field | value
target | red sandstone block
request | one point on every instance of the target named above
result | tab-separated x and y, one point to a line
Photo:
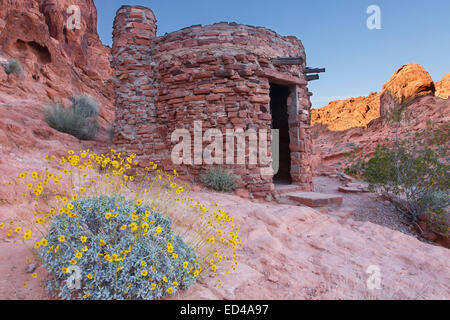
142	41
294	146
213	97
242	89
245	72
202	91
181	77
237	121
170	46
135	13
194	98
189	43
175	101
224	73
260	99
141	26
265	116
206	59
223	90
206	41
202	75
235	66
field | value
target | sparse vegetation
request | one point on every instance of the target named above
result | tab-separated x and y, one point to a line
13	67
219	179
104	234
412	171
79	120
133	257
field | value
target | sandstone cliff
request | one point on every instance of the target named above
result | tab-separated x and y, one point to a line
411	85
345	114
409	82
58	61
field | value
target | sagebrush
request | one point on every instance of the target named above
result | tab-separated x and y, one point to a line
78	120
13	67
219	179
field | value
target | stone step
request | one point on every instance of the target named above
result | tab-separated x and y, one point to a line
286	188
314	199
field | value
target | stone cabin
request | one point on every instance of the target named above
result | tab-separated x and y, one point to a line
226	75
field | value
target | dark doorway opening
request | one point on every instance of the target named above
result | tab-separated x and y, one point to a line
280	120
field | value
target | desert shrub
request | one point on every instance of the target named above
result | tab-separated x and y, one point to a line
13	67
85	106
219	179
111	134
79	120
413	172
122	255
125	231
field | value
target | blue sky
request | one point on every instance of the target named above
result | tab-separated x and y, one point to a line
334	33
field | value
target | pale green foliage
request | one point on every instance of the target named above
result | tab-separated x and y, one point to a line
219	179
79	120
413	171
13	67
108	282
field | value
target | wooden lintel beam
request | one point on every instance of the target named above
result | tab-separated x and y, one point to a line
312	77
313	70
287	61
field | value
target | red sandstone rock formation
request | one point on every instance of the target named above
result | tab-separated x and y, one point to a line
409	82
58	62
330	146
345	114
443	87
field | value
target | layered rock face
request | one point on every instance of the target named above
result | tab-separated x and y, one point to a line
410	86
406	84
58	60
345	114
220	75
409	82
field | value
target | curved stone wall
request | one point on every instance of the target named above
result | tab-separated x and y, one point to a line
218	74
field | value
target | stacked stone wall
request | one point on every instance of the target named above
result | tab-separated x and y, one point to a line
219	74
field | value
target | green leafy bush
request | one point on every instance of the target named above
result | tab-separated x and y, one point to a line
219	179
120	250
13	67
79	120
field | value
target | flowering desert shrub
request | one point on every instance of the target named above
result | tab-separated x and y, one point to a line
105	229
138	263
